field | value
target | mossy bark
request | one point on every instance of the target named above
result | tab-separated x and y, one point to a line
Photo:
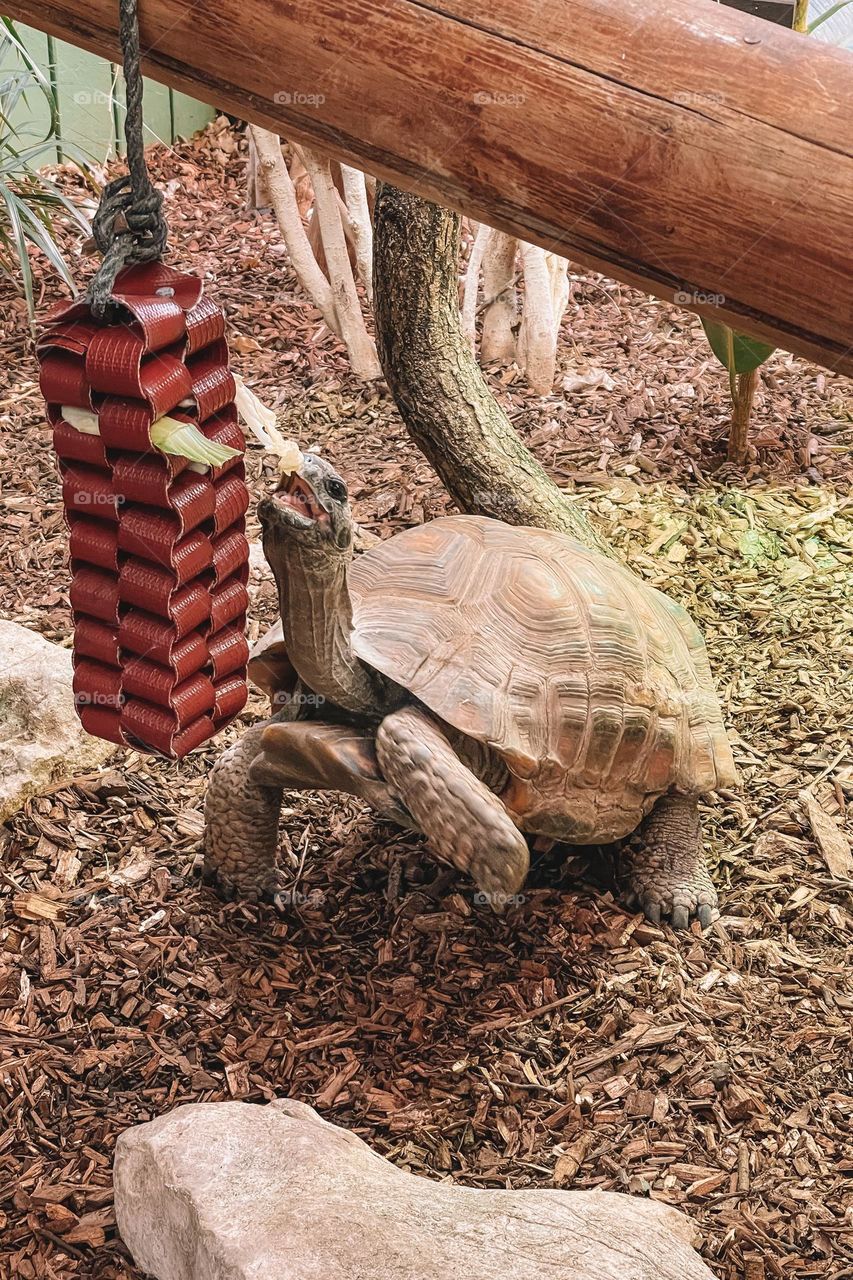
442	396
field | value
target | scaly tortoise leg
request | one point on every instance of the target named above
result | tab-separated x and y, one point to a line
327	757
244	792
662	865
465	822
240	823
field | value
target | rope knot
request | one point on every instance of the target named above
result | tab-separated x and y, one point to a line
128	225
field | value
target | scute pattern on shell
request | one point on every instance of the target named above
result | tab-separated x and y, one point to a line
590	683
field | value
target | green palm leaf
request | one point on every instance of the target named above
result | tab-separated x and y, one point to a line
29	201
830	13
736	352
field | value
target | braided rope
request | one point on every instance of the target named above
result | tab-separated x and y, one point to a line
128	225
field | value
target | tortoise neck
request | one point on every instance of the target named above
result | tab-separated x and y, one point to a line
316	612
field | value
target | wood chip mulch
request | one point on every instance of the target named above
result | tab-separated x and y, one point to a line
569	1043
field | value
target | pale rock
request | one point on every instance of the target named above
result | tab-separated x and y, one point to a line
236	1191
41	738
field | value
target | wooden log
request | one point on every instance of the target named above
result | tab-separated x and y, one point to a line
696	152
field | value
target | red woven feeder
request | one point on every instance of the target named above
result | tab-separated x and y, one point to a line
159	558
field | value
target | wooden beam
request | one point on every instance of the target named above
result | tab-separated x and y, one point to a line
696	152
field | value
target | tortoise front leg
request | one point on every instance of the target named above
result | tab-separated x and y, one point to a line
465	822
662	865
241	823
327	757
244	794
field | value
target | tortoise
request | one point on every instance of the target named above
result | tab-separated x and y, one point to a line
474	680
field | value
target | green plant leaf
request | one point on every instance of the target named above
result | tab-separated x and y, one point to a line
37	230
29	201
81	420
14	209
186	441
32	71
830	13
736	352
169	435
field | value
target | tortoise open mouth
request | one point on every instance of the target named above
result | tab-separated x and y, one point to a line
298	498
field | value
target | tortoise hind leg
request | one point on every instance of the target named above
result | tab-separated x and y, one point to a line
243	799
465	822
662	865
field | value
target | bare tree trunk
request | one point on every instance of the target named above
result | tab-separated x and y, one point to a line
355	193
472	285
254	184
359	344
537	338
441	394
743	394
304	191
348	226
499	309
283	197
305	199
558	273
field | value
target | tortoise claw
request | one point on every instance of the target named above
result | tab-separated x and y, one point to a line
282	897
230	890
680	917
224	888
651	910
663	865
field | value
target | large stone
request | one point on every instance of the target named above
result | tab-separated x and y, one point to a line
41	738
234	1191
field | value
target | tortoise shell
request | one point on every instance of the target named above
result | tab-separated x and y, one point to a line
593	687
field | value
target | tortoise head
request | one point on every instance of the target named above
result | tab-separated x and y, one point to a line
309	509
308	533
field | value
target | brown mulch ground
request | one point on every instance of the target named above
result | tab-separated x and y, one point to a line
567	1044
